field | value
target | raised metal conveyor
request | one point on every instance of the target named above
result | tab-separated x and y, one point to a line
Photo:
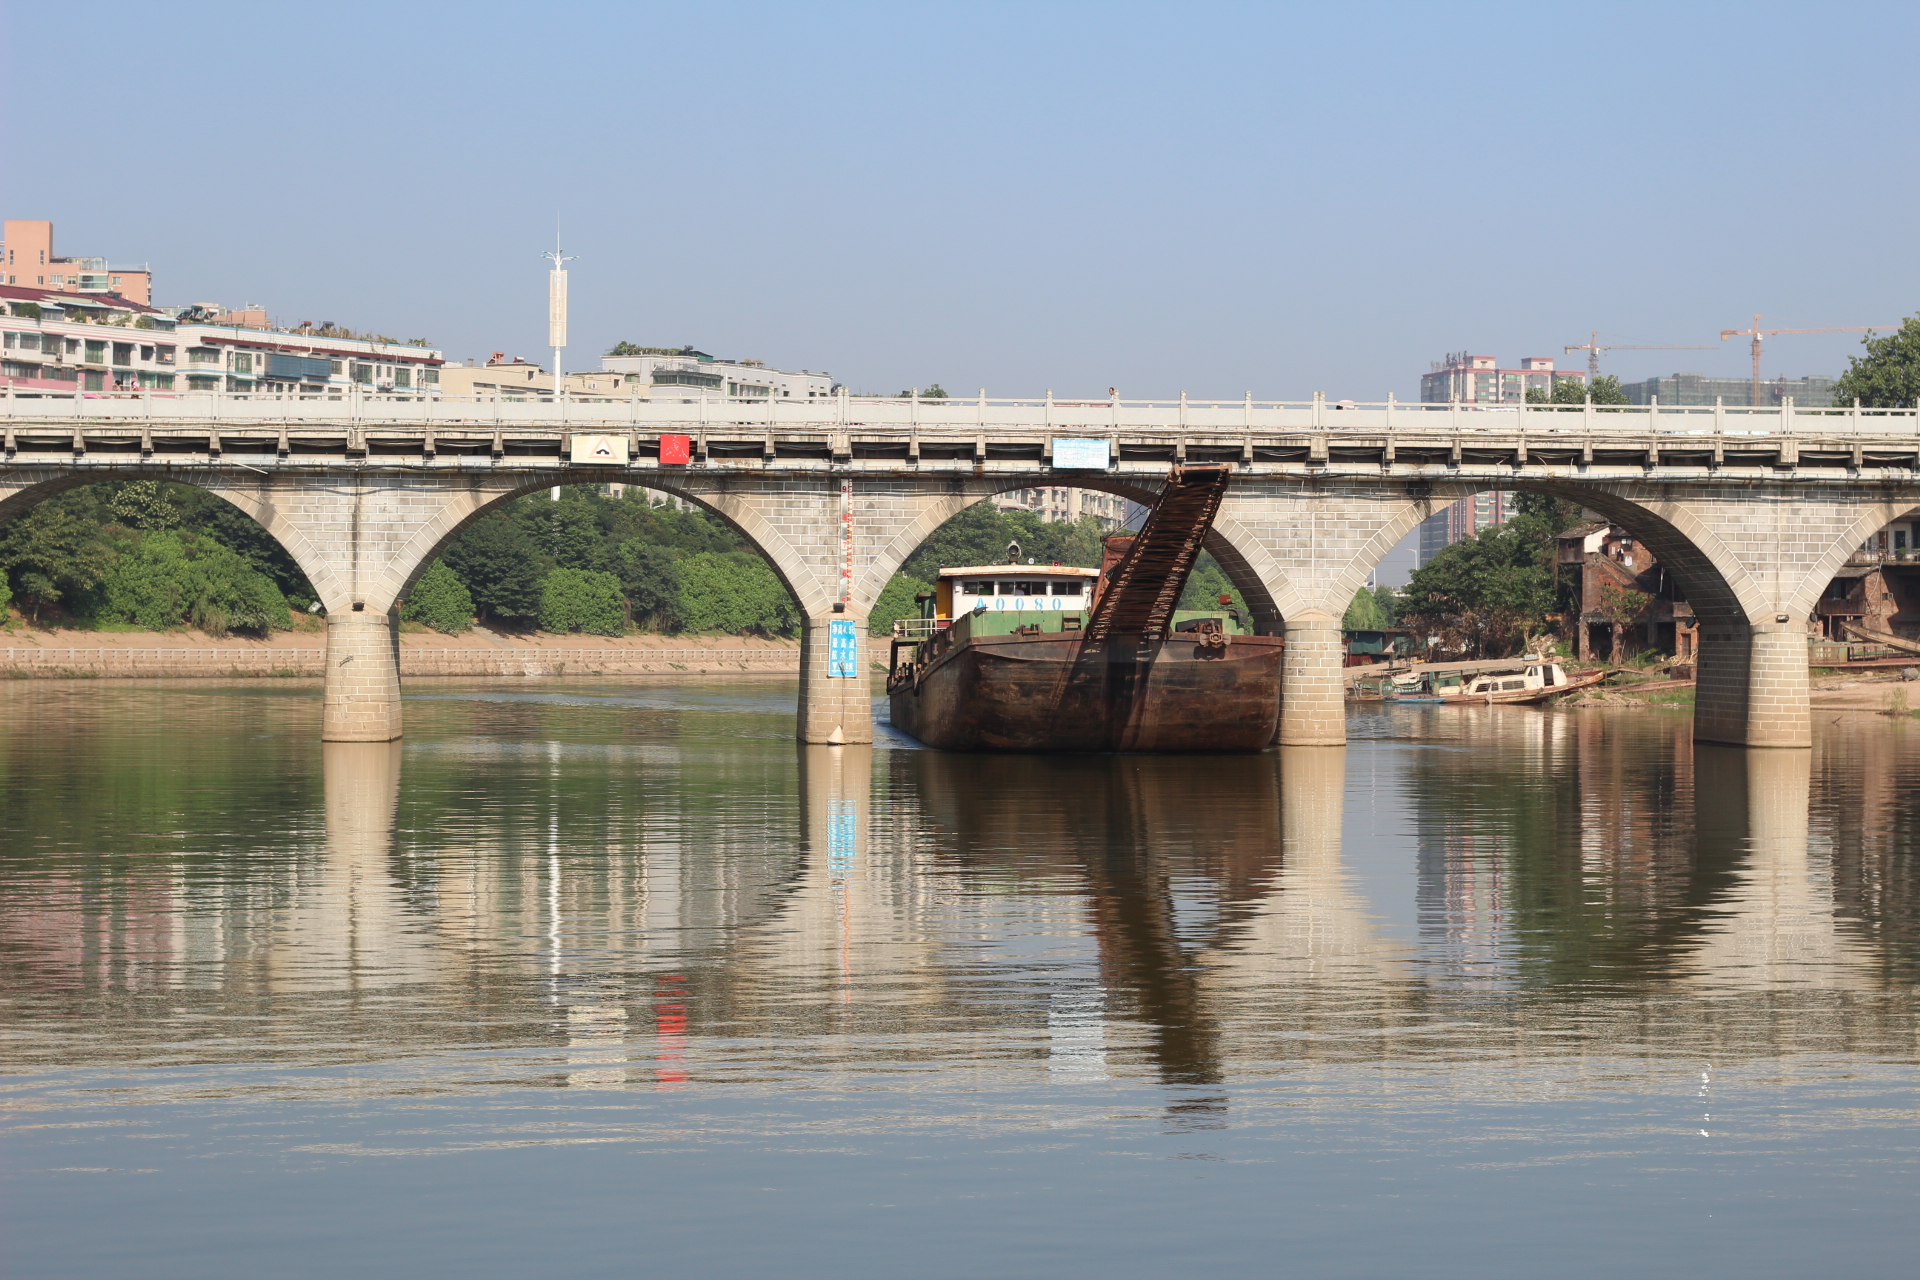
1143	589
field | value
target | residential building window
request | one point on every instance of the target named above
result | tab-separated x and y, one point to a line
146	352
402	378
243	362
114	280
203	355
123	353
96	381
202	383
336	367
363	373
163	355
96	353
429	377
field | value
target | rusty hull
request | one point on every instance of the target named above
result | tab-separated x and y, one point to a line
1050	692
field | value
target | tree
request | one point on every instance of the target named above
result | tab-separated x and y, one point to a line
1483	593
1605	389
161	578
736	593
896	602
50	553
500	565
650	579
1888	376
1207	583
440	600
933	392
581	600
141	504
1364	614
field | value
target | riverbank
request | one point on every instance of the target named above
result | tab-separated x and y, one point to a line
56	653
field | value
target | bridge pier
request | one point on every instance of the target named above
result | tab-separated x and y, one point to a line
835	707
362	692
1753	688
1313	703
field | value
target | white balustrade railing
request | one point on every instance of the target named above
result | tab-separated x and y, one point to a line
896	416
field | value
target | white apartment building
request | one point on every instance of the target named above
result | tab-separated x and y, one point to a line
1066	505
63	342
682	372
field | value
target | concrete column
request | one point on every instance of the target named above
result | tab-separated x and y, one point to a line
1752	689
363	678
1313	702
834	709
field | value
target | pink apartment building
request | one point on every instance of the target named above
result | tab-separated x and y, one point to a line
27	259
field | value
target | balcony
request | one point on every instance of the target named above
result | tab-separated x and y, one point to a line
1874	559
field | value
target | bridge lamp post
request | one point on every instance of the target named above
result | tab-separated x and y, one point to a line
557	325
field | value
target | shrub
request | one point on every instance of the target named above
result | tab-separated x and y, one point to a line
582	600
162	579
441	601
896	601
735	592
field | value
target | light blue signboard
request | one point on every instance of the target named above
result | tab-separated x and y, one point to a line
1080	455
843	649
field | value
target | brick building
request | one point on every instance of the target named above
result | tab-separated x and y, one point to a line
1627	604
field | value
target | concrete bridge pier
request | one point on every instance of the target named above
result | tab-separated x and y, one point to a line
1753	687
1313	704
362	691
836	703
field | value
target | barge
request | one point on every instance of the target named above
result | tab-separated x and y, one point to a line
1018	657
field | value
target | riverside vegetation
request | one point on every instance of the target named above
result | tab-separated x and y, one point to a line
153	556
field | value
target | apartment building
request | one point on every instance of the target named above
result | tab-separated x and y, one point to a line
683	372
517	379
1472	379
1699	389
1066	505
1463	519
27	259
56	341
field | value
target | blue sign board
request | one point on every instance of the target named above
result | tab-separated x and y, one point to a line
1080	455
843	649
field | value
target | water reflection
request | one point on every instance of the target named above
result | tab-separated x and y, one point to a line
646	894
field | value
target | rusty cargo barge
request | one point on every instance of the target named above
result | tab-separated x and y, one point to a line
1014	657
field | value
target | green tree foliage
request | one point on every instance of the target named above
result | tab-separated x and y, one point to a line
1484	595
582	600
501	566
141	504
735	592
650	578
1364	613
440	600
896	601
162	578
1888	376
52	552
1606	389
933	392
1207	583
980	534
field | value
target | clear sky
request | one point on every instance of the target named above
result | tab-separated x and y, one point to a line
1210	197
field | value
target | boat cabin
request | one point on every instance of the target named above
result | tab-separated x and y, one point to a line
1012	588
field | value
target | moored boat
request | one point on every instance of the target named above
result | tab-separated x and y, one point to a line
1523	680
1020	657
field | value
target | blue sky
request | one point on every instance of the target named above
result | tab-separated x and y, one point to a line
1210	197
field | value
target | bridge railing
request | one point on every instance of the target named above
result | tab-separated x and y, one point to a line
891	415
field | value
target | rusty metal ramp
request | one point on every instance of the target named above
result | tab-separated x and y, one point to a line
1143	589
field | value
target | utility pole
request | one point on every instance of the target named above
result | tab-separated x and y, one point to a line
557	321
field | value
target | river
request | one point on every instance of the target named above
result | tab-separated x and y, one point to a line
603	978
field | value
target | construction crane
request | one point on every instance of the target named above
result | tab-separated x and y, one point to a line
1593	347
1757	333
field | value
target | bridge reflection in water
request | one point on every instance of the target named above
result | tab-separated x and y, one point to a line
1073	918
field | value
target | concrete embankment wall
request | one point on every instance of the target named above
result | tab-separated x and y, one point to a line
224	661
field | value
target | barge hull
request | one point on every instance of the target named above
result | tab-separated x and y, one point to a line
1047	693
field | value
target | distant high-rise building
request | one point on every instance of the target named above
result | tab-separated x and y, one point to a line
1066	505
26	260
1472	379
1463	519
1698	389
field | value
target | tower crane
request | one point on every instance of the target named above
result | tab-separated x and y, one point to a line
1757	333
1593	347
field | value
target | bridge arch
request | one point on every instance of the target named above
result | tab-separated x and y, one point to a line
1247	564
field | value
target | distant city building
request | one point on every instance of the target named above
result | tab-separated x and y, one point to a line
1463	519
1066	505
1698	389
1473	379
682	372
516	379
27	259
53	340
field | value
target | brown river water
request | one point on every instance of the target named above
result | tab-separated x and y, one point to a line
610	978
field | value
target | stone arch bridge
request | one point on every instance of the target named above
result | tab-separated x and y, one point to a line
1751	510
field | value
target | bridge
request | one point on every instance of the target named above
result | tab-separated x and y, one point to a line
1752	510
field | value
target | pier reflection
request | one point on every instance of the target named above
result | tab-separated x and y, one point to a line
625	903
